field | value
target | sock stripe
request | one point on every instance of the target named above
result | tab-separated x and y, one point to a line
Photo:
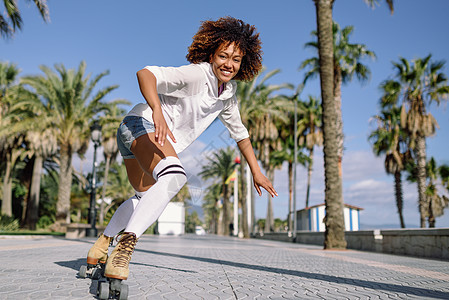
168	167
171	172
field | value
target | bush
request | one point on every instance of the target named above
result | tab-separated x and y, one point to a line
44	222
8	223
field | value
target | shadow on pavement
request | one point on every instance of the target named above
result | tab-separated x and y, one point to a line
316	276
77	263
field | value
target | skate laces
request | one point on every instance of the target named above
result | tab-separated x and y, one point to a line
126	245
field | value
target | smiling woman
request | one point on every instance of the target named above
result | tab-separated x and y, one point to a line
181	102
226	63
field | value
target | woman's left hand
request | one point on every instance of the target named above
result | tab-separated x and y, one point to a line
261	181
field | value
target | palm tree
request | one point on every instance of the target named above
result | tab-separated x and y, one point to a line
66	97
13	19
436	202
39	141
260	112
347	63
390	140
310	133
415	87
219	167
10	143
286	154
109	124
119	188
334	234
210	206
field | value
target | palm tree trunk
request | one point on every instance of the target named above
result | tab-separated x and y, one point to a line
309	176
225	209
420	151
339	124
269	221
7	188
103	194
220	228
243	197
32	213
432	220
399	198
65	184
334	221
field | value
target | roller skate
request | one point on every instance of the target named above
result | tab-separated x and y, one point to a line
96	259
117	269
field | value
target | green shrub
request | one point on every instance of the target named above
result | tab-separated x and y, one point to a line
8	223
44	222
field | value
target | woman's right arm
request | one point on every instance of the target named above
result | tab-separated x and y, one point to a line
148	88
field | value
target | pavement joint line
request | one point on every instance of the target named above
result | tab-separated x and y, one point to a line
391	267
36	246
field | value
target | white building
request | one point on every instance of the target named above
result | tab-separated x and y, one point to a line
311	218
172	219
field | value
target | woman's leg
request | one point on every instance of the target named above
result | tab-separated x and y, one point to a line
121	216
162	164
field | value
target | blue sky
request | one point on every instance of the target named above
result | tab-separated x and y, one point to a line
122	38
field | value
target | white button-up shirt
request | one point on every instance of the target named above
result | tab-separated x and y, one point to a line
190	103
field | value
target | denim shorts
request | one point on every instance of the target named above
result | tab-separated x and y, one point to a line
130	129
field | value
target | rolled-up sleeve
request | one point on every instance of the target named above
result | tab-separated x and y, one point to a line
230	117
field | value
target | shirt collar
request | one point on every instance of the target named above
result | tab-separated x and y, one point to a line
230	88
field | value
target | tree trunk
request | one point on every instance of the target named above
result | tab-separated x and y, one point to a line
32	213
242	194
309	176
220	228
339	122
420	151
7	187
65	184
103	194
334	221
398	193
225	209
269	221
432	219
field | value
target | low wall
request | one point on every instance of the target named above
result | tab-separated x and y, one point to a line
432	243
429	243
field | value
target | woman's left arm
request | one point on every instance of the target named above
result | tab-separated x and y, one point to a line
259	179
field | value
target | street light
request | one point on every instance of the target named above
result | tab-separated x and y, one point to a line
95	132
295	158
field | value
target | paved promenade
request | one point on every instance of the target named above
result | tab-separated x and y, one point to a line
211	267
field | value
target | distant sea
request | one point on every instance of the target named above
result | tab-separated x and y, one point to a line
385	226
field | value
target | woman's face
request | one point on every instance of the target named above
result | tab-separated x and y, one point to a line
226	62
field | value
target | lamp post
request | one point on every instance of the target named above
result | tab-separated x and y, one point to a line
295	158
95	131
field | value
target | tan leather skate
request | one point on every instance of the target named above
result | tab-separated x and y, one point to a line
99	251
117	265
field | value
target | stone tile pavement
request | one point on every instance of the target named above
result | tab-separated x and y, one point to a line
211	267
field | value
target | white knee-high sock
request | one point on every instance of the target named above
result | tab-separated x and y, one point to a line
122	214
171	177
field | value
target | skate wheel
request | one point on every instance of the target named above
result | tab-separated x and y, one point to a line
124	289
83	272
96	274
103	290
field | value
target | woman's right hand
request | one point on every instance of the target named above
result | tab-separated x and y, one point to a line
161	128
